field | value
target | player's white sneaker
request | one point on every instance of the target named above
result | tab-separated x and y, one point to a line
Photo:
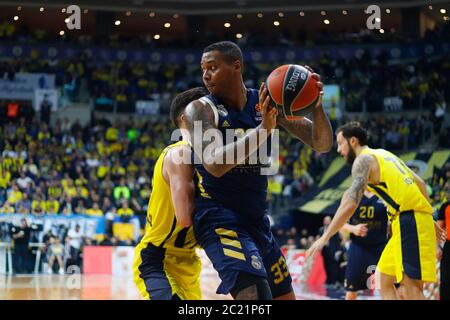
61	271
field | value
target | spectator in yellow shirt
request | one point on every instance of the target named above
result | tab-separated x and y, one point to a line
95	210
37	209
82	192
44	134
117	170
125	212
145	192
103	169
112	134
55	189
132	168
51	206
7	208
81	181
5	178
65	181
38	202
102	148
14	195
70	189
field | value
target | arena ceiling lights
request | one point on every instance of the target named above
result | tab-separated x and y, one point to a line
200	7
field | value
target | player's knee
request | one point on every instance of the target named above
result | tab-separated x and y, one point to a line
383	281
410	288
401	292
251	287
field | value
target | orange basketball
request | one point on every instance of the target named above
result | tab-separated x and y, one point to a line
293	89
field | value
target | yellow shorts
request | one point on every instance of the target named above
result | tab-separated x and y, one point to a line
180	267
411	249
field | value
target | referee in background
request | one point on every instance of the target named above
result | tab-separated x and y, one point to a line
444	253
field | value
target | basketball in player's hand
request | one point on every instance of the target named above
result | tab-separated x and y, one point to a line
294	90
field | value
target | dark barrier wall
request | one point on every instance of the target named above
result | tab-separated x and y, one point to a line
103	23
411	22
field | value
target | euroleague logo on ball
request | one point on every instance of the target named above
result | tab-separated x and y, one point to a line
292	83
293	89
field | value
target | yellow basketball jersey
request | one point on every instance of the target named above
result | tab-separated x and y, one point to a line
162	229
397	187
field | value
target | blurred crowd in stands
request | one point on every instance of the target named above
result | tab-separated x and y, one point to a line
365	81
102	169
97	169
253	37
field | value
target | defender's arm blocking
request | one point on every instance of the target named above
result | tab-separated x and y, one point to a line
179	176
215	161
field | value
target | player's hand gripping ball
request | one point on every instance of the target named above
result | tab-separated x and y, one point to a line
295	90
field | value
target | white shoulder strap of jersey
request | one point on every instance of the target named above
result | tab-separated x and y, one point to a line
211	103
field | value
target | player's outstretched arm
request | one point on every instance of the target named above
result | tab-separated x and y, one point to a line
349	202
215	156
318	133
179	175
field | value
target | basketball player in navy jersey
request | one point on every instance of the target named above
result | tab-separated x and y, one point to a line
368	234
230	220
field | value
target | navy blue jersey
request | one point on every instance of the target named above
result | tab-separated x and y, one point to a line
243	189
373	212
237	244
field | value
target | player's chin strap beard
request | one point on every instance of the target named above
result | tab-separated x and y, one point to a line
351	154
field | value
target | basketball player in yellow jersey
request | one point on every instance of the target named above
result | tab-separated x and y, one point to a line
409	257
166	265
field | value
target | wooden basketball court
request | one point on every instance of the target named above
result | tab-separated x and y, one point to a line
108	287
81	287
113	287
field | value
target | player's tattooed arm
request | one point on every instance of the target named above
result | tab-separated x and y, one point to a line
360	177
352	196
217	158
317	133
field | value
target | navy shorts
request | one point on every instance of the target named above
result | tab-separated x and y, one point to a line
236	244
362	262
